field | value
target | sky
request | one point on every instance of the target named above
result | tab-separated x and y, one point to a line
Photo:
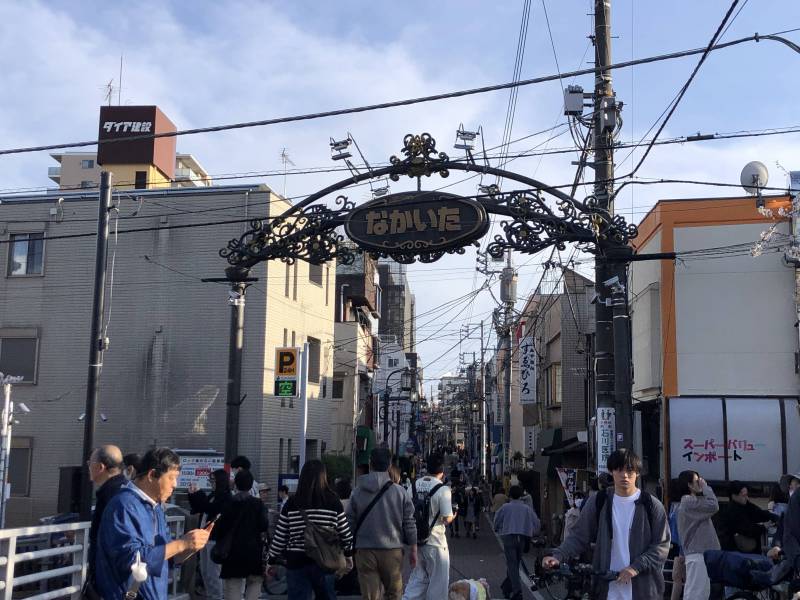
209	63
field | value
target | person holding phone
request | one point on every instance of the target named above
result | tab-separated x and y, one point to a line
211	506
696	532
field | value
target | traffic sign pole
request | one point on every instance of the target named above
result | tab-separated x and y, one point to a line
303	403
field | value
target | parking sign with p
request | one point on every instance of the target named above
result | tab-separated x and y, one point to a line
286	371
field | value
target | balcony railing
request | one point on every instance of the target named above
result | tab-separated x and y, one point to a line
49	561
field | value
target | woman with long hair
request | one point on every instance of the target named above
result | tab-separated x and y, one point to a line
209	506
698	505
316	501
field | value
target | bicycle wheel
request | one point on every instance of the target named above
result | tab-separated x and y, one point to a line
276	584
557	587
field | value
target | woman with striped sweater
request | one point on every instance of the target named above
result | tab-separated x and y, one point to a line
321	505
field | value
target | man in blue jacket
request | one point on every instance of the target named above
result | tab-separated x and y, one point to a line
134	522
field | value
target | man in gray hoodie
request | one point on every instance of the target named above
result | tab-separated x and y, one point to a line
381	515
630	530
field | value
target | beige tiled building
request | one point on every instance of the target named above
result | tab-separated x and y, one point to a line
165	374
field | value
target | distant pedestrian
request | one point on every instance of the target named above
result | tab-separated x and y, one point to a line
132	463
431	577
210	506
472	512
499	498
242	463
283	496
316	503
516	523
741	521
572	515
459	501
243	522
406	482
134	525
105	471
381	515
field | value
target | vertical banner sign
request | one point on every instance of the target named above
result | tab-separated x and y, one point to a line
569	481
527	371
606	428
286	367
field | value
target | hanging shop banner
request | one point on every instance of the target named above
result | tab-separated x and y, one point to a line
724	438
569	481
606	433
527	371
413	222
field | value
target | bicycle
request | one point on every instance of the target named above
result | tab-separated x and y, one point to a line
568	582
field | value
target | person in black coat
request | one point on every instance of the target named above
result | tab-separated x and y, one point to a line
239	532
105	471
209	506
743	518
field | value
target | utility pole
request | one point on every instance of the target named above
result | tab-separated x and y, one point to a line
610	375
482	436
508	296
97	343
239	280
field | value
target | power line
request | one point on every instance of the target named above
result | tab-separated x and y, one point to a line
405	102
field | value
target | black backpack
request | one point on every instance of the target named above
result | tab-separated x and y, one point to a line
422	513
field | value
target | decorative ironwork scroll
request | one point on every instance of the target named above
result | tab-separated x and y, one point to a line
311	232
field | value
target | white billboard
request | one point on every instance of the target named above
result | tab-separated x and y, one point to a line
734	438
527	370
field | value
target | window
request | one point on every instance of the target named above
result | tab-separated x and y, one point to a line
324	393
315	274
19	467
26	254
338	389
87	164
294	339
88	183
289	455
285	336
313	359
140	180
288	279
18	353
294	292
553	384
393	362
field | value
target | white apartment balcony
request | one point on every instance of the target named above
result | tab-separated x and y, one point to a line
54	173
185	177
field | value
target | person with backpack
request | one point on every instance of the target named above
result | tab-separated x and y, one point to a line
433	511
314	537
630	531
698	505
239	543
516	523
381	515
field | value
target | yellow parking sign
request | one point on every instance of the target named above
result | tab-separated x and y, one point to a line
286	362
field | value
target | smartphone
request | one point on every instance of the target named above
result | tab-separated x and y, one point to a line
210	524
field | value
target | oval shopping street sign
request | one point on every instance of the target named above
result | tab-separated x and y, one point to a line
416	222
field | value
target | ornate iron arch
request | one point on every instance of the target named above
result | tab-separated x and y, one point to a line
309	231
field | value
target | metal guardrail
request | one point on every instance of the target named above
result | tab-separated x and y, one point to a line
50	561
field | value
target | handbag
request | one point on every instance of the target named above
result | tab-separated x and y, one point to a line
323	546
745	544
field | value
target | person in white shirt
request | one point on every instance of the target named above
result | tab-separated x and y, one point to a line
630	530
431	576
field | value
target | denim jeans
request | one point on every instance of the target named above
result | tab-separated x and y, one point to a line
513	546
307	579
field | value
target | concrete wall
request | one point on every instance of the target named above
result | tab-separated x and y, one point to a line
164	376
735	316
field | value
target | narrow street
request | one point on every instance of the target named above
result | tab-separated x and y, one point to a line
478	558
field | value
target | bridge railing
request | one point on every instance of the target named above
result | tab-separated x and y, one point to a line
50	561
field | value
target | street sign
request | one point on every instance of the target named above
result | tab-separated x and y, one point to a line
286	362
286	388
286	369
606	430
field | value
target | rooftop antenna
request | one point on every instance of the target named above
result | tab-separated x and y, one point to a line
109	87
754	177
286	161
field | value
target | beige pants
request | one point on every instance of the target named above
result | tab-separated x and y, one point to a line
380	570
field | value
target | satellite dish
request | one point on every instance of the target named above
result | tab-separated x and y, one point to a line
754	177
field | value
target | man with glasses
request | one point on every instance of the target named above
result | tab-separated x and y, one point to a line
105	471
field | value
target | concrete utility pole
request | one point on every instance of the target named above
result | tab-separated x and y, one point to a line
482	437
612	377
97	342
508	296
